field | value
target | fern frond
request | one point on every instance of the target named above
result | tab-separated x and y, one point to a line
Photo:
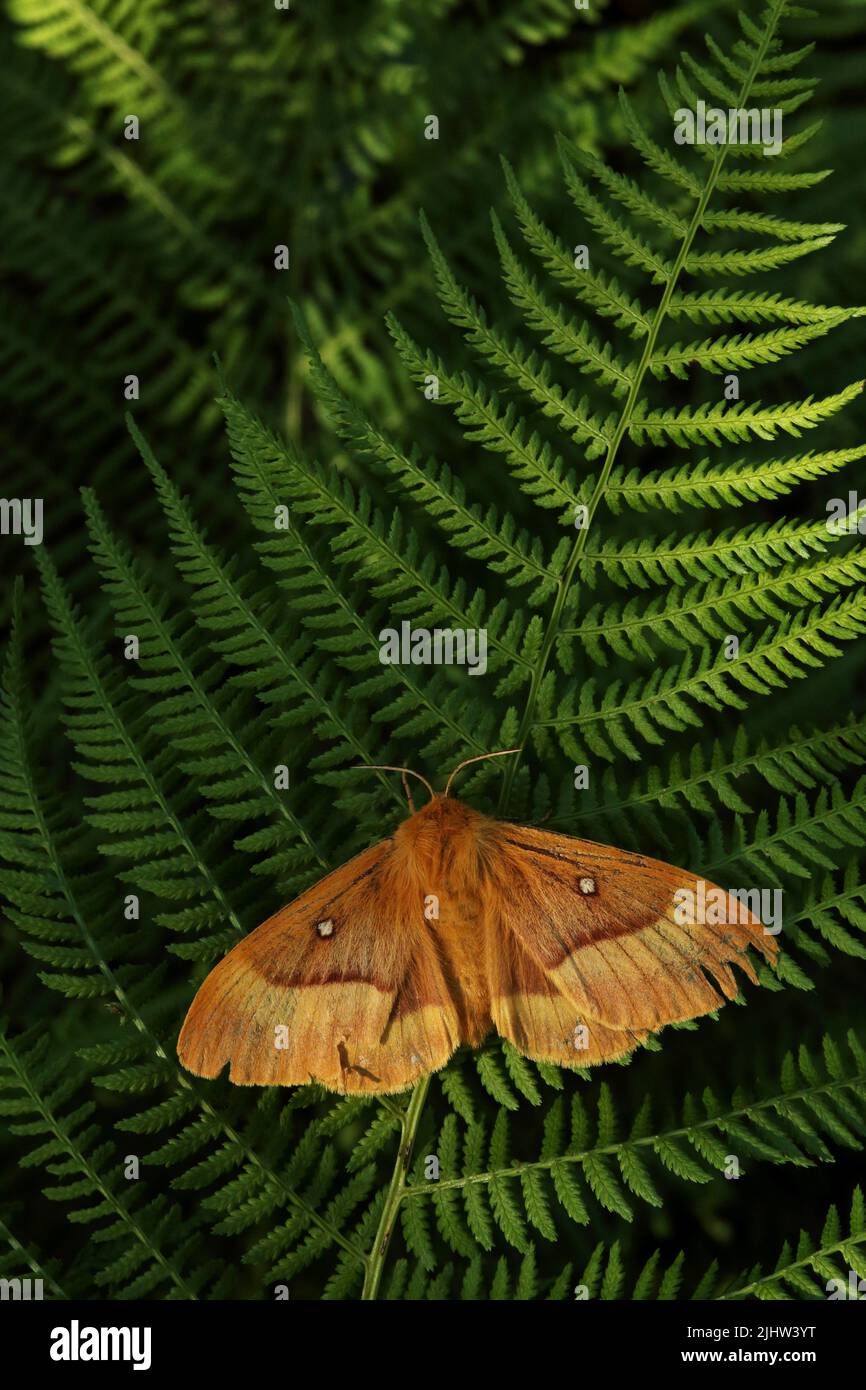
362	539
816	1268
703	779
483	535
148	1247
671	698
73	930
185	706
142	819
800	837
714	611
678	561
743	306
812	1103
712	424
521	367
708	484
597	290
240	625
739	351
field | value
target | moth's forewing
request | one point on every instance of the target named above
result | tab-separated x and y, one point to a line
592	937
341	987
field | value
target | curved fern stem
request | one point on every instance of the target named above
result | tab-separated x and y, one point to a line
565	583
396	1189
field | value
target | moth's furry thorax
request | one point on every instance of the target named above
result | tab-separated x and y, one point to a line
445	834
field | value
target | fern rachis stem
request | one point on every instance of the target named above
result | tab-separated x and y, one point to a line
396	1190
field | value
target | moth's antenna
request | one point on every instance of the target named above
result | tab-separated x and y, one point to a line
503	753
386	767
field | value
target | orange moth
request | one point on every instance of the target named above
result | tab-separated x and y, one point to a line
455	925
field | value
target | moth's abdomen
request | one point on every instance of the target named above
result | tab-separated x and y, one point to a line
461	943
442	849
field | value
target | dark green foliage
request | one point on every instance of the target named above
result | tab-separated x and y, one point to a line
301	127
257	545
